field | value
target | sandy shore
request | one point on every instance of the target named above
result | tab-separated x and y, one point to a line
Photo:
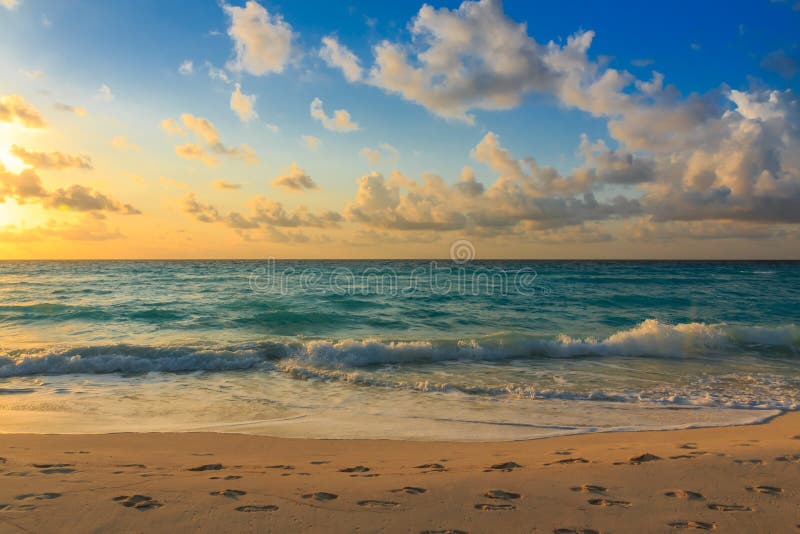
735	479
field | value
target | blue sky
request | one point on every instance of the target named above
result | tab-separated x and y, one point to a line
136	48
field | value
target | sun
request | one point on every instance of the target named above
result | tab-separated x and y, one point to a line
9	161
11	213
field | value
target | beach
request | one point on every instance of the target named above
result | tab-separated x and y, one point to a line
739	478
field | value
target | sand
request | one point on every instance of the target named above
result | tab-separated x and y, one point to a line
734	479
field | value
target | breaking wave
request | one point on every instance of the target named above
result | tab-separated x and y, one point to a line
650	338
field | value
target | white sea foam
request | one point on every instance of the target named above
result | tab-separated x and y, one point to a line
650	338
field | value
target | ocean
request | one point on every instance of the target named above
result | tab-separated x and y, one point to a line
423	350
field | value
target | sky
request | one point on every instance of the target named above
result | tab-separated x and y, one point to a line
395	129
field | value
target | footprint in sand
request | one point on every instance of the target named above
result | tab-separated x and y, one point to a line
411	490
588	488
229	477
699	525
569	461
769	490
356	469
138	466
319	462
257	508
57	471
142	503
378	504
751	461
494	507
445	531
38	496
609	502
564	452
646	457
54	469
229	493
321	496
77	452
207	467
281	466
576	531
729	507
505	467
685	494
688	446
792	458
202	454
500	494
682	457
431	468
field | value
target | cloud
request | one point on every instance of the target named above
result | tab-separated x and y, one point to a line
51	160
311	142
642	62
80	112
262	41
122	143
192	151
263	214
217	74
222	185
9	4
27	187
104	93
172	127
295	179
339	122
186	67
80	198
370	154
472	57
376	155
14	109
339	56
781	63
204	130
32	74
242	104
200	211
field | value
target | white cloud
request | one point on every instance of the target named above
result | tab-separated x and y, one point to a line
15	109
371	155
472	57
222	185
186	68
339	56
242	104
205	130
311	142
376	155
263	41
80	112
104	93
9	4
172	127
295	179
339	122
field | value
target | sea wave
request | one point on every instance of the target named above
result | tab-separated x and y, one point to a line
650	338
763	392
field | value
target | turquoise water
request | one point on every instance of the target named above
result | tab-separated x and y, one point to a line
403	349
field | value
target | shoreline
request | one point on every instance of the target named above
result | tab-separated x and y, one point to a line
733	478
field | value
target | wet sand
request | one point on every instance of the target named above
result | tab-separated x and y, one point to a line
733	479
